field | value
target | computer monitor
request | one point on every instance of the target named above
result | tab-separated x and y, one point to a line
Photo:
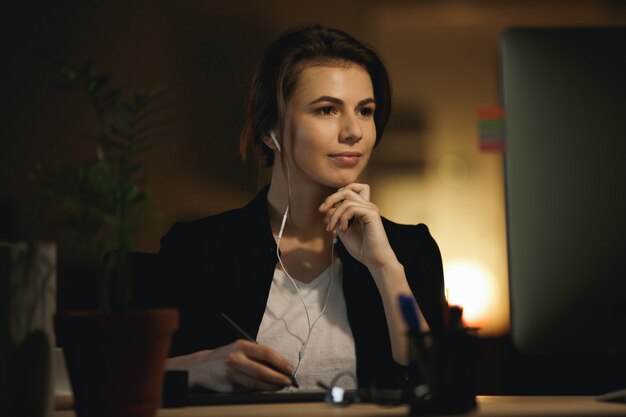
564	94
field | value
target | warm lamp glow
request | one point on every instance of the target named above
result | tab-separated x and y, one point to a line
472	287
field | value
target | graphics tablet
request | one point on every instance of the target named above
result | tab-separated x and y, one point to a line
205	397
363	395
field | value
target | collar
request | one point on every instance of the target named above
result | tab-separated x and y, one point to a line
256	220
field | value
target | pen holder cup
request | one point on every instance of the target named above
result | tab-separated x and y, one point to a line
443	372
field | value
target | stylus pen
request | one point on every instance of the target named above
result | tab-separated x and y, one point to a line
242	333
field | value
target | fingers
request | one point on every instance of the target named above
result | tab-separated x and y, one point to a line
351	191
251	365
363	190
342	216
266	355
351	201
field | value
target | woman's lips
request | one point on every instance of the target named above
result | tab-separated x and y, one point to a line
346	158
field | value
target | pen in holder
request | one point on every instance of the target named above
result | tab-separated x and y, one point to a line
443	369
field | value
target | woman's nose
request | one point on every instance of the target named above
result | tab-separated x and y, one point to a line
351	130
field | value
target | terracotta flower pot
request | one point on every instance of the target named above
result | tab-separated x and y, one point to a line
116	361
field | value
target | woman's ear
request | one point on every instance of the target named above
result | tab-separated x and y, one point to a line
271	141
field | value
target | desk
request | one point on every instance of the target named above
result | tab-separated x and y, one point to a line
488	406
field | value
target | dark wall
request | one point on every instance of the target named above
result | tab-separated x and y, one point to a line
204	51
205	55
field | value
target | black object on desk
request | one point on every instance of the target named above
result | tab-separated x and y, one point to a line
444	369
201	396
175	386
613	396
206	397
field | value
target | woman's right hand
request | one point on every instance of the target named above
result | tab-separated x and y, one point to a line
241	365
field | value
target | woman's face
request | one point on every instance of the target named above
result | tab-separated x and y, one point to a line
329	125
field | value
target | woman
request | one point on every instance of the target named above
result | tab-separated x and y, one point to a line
309	268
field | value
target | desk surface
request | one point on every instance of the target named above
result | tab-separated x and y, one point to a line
488	406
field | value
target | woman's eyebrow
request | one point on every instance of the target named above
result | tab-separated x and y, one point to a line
330	99
338	101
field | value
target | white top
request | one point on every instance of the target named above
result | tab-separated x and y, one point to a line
284	328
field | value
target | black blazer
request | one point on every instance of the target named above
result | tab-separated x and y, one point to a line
226	263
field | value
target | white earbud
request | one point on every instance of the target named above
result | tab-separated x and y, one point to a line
273	136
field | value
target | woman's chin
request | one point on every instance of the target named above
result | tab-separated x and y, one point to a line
340	182
332	181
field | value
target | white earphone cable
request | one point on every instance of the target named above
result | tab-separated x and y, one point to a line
306	310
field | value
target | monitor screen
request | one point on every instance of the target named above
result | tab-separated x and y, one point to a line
564	93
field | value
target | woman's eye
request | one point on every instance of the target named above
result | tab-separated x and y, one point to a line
366	111
326	111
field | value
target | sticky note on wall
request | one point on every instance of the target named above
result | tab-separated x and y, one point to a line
491	129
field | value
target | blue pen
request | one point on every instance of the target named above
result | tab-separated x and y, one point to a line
408	307
409	312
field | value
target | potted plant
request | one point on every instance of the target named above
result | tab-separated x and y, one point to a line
115	354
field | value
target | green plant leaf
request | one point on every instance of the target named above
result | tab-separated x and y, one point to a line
103	196
96	84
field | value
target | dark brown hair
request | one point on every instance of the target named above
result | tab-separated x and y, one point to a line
280	67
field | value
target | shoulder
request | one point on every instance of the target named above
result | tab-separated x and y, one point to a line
215	229
407	240
200	230
403	230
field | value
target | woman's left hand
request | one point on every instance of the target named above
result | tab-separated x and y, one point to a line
357	222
